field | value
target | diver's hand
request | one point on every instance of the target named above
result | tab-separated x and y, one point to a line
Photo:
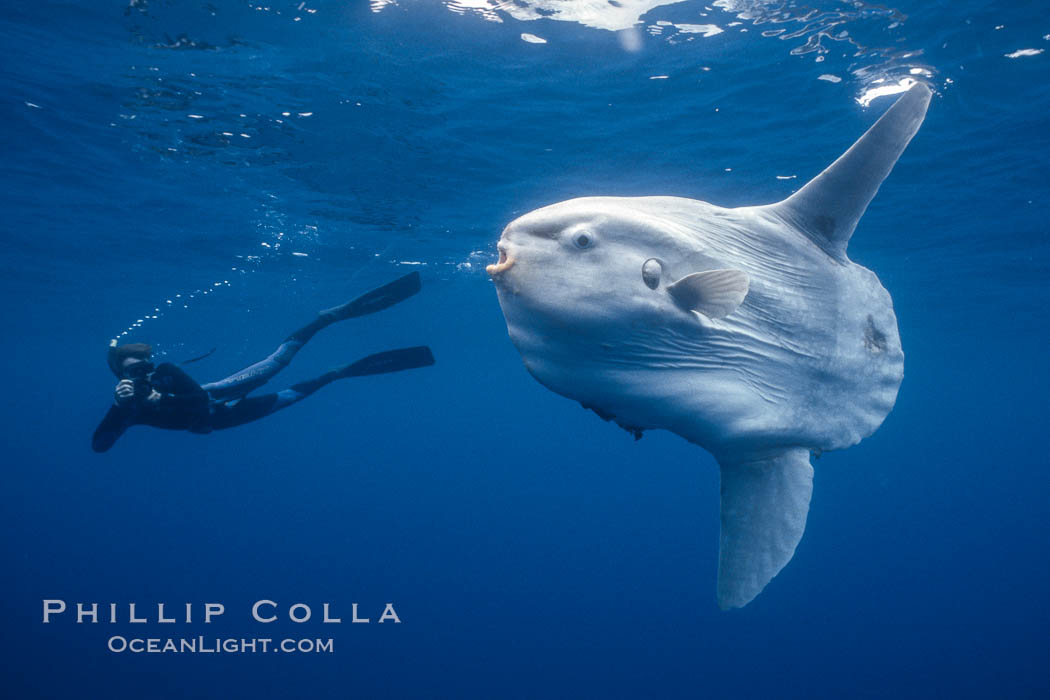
125	392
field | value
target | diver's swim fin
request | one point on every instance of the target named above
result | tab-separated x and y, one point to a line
389	361
378	299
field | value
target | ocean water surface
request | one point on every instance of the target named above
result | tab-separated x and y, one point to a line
203	175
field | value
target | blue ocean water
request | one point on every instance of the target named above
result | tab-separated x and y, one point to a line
210	174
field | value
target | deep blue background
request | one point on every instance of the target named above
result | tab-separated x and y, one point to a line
530	549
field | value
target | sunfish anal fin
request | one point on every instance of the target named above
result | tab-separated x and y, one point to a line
764	508
829	206
714	293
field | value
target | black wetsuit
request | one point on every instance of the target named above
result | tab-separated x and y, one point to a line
183	405
186	405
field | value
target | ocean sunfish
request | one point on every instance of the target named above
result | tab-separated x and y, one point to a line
746	331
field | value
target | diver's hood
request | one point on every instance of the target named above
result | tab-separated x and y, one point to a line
118	353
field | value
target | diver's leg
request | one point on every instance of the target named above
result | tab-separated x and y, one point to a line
254	376
254	408
242	411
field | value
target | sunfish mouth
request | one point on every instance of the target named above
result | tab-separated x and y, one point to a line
502	265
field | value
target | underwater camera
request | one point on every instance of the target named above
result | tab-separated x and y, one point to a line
139	373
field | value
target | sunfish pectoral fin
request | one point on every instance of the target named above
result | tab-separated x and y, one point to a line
764	508
714	293
829	206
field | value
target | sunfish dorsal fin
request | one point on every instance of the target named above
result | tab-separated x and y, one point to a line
829	206
764	509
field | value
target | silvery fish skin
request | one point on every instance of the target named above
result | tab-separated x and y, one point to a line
746	331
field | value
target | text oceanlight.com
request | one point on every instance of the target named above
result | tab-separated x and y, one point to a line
217	645
262	611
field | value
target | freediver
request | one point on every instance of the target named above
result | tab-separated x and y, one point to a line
166	397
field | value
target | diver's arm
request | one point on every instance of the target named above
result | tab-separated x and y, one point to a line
124	392
116	421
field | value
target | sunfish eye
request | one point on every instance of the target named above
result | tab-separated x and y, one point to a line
583	240
651	270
